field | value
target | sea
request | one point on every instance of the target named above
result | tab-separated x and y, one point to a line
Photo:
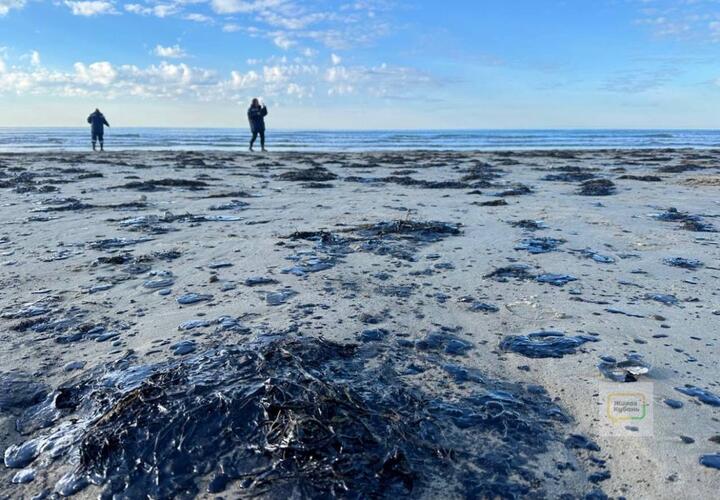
232	139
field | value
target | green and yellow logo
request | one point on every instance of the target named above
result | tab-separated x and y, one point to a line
624	407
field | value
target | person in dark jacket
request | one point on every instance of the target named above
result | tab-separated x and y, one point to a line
256	117
97	123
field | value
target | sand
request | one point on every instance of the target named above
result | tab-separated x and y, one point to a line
56	205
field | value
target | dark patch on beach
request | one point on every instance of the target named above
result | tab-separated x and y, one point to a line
643	178
492	203
540	244
286	417
546	344
314	174
513	271
597	187
162	184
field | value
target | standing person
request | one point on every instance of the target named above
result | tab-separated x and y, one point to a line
97	123
256	117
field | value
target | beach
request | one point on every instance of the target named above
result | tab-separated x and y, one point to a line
495	293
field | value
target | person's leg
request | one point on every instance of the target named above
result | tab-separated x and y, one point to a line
94	140
262	139
252	141
102	142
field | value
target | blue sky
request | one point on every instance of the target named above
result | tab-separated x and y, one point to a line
363	63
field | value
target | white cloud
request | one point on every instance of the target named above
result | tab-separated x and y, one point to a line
283	42
336	59
174	52
35	58
243	6
7	5
240	81
199	18
161	10
99	73
91	8
2	65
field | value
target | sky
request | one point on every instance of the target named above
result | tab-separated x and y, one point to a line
362	64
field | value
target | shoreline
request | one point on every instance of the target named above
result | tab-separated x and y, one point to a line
413	256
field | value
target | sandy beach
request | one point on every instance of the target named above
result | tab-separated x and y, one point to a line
186	324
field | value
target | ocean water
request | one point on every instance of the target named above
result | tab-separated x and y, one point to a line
78	139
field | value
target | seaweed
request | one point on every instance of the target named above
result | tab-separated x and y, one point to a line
314	174
597	187
160	184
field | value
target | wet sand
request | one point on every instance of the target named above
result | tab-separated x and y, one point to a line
425	273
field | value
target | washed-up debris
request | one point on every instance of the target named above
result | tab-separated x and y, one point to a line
711	461
409	181
193	298
612	310
555	279
24	476
430	231
74	365
309	263
260	280
570	174
540	245
220	264
397	238
678	168
231	194
673	403
515	190
160	184
151	224
232	205
580	442
597	187
193	324
19	390
483	172
594	255
628	370
282	418
477	306
699	226
683	263
183	347
114	243
667	299
545	344
674	215
643	178
702	395
314	174
63	205
440	341
373	335
529	225
492	203
279	297
513	271
157	284
690	222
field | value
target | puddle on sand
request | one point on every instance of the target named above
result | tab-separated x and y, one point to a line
300	418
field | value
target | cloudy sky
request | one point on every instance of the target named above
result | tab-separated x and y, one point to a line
363	64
